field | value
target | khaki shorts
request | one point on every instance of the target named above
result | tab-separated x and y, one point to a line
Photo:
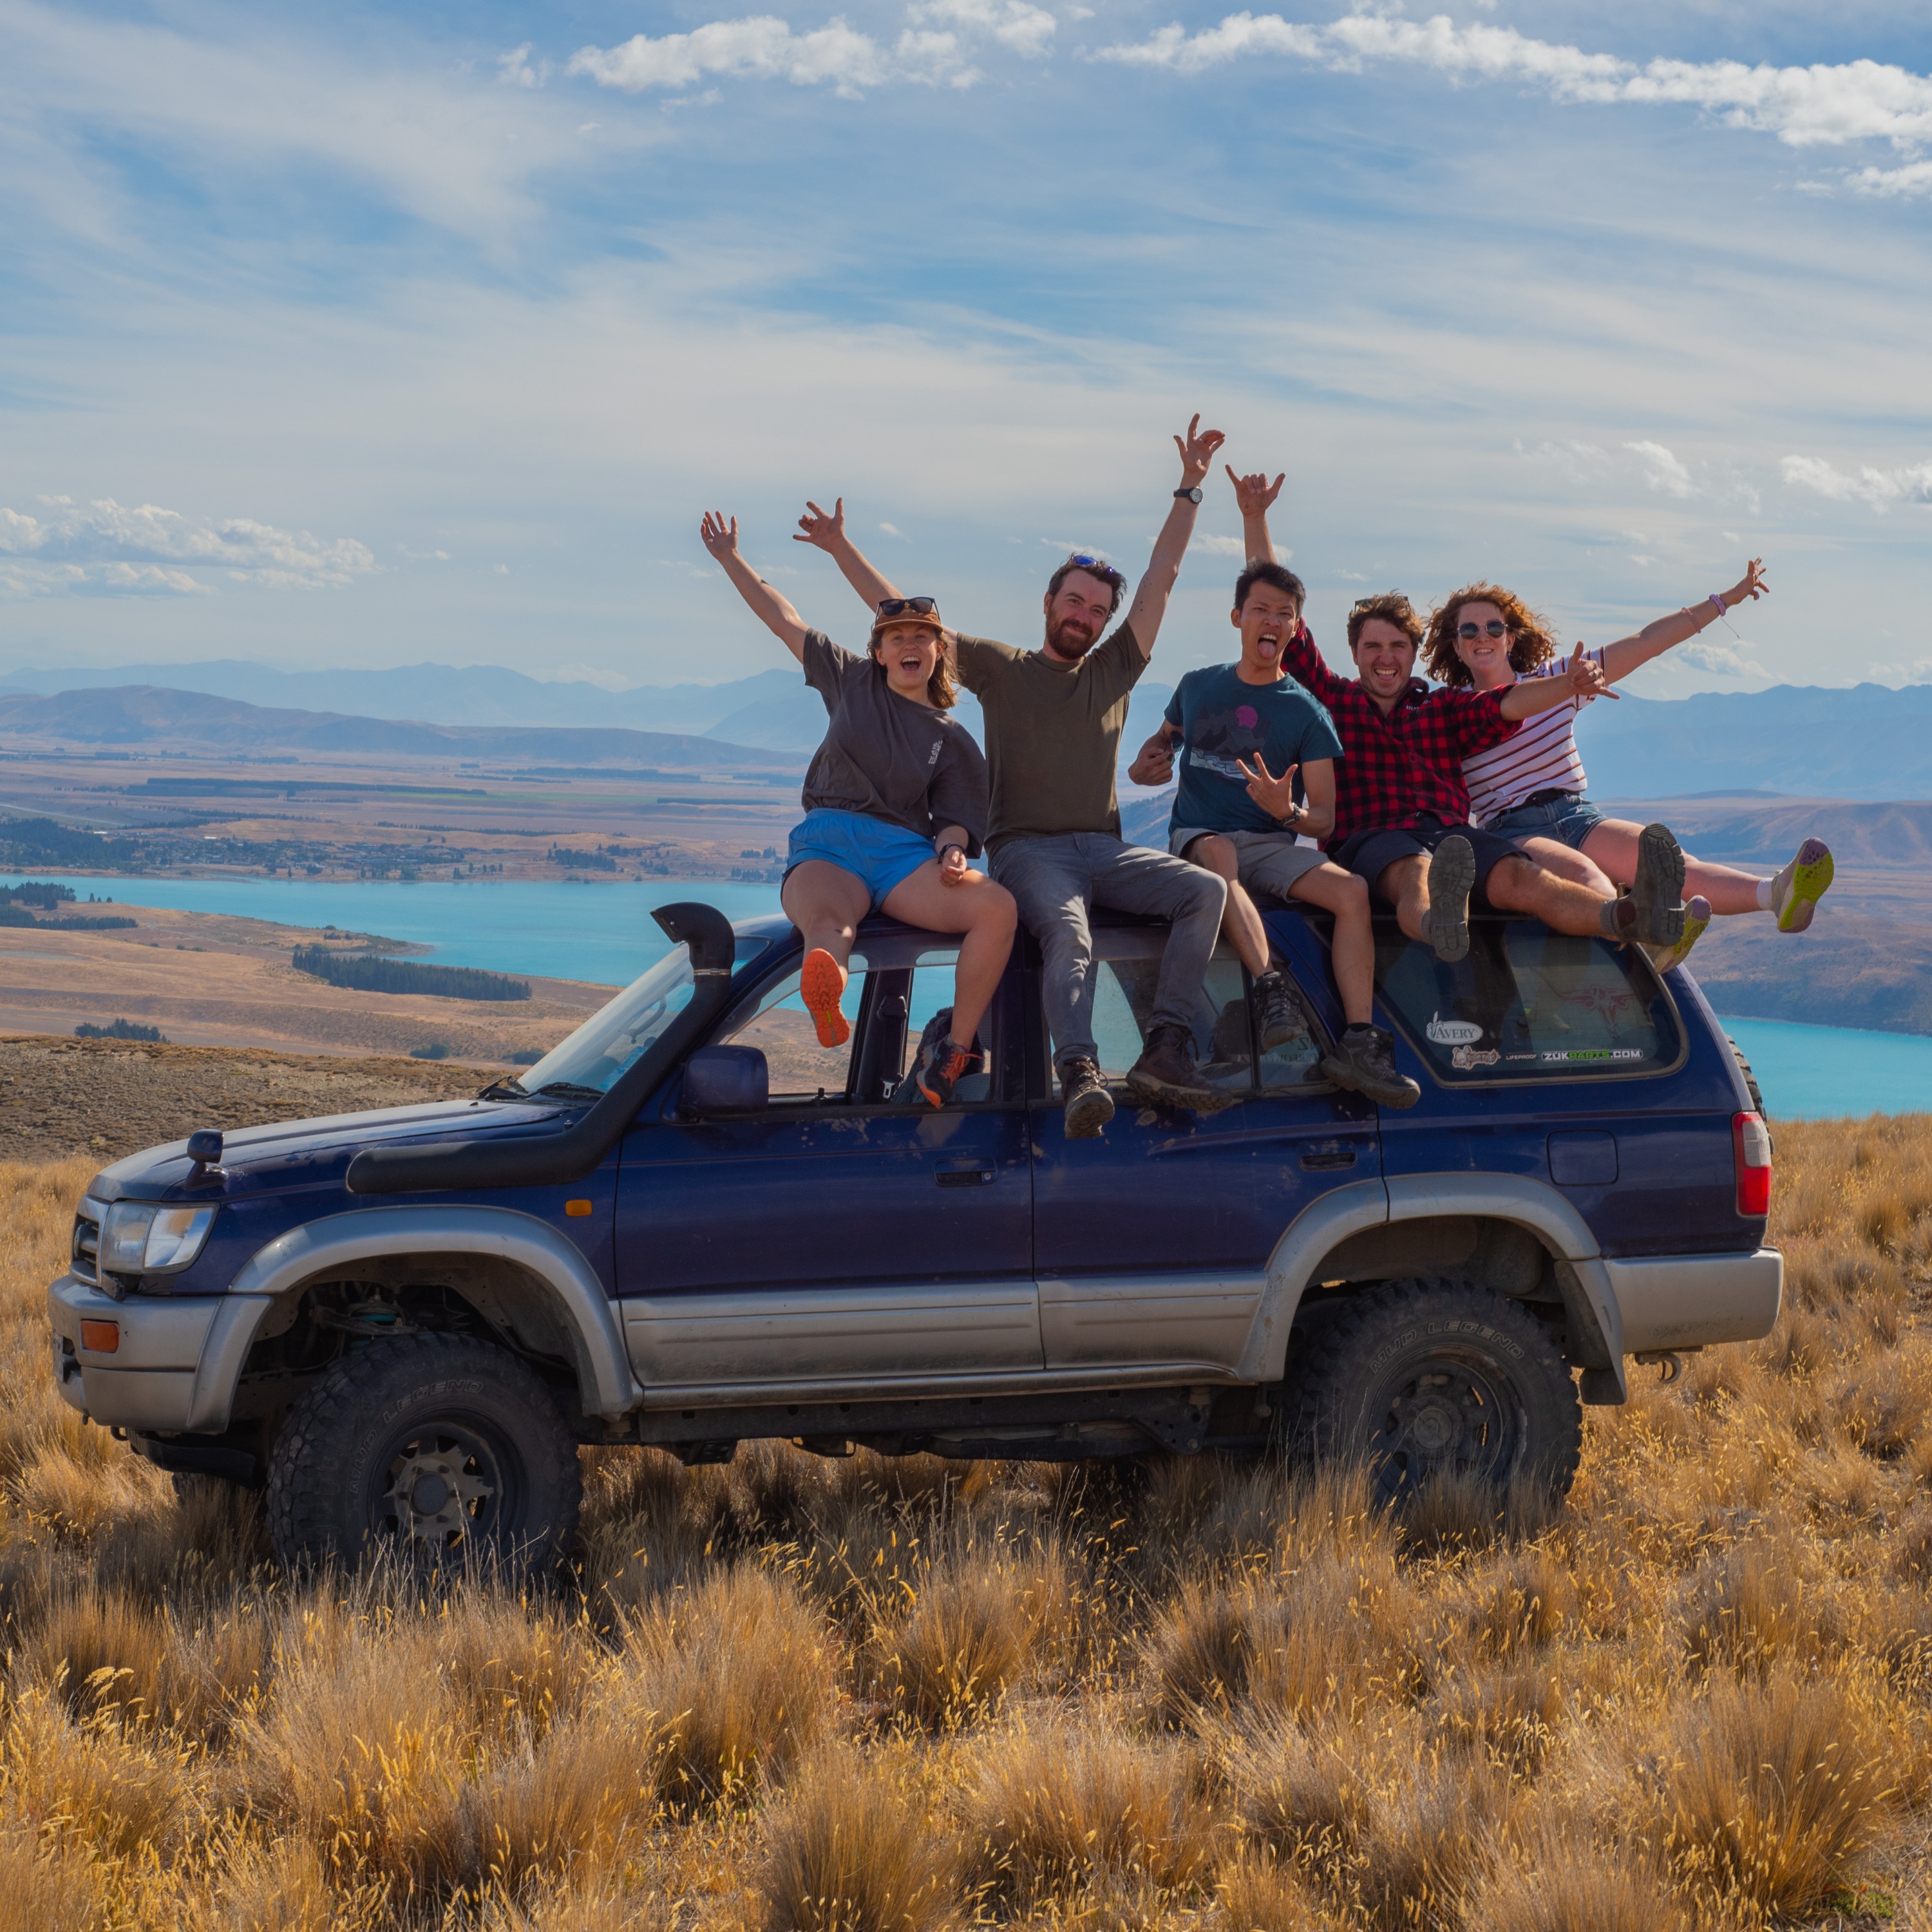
1268	861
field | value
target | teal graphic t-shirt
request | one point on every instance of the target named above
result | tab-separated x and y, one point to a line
1222	720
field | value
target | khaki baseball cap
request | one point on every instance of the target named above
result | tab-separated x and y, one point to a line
905	610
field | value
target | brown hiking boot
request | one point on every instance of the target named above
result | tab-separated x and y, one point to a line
1089	1106
1166	1070
1363	1061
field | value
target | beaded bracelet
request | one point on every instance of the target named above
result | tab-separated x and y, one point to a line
1722	606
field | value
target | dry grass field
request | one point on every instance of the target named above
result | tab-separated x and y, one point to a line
900	1698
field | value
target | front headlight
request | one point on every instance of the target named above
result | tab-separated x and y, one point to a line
139	1238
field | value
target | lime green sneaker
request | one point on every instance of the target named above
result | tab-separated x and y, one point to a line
1796	892
1696	916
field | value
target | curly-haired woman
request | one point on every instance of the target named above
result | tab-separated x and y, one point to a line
1530	788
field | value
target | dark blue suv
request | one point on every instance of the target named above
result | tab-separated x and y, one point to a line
691	1225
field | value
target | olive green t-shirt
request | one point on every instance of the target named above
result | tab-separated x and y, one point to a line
1053	733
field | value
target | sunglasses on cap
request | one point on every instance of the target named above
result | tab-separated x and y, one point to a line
898	607
1495	627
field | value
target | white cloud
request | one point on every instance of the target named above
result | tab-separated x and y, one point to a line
891	530
1804	106
1915	178
1722	661
764	47
143	550
1028	31
1222	546
1880	488
514	68
1918	670
1662	470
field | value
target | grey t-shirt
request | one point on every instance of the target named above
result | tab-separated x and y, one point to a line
887	756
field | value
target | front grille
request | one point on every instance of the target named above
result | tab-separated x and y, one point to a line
85	1264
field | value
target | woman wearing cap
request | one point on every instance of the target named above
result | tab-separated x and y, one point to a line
895	804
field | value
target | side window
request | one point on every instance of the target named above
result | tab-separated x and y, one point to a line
1528	1003
930	1008
785	1033
1126	972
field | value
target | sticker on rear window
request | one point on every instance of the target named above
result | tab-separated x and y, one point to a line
1453	1033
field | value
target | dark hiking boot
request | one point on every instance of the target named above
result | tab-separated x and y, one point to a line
1363	1060
1089	1106
943	1063
1166	1070
1278	1014
1658	888
1452	878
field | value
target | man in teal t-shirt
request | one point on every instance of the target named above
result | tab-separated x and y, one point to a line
1258	777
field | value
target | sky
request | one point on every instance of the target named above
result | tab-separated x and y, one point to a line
361	337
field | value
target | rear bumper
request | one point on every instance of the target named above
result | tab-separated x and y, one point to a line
1687	1301
177	1363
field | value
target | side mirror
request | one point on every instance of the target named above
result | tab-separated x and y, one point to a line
725	1080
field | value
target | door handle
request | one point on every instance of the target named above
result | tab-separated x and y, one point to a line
1333	1156
963	1177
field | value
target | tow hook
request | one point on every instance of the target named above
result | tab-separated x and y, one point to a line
1670	1361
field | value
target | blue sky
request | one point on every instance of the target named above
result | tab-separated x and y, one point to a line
427	333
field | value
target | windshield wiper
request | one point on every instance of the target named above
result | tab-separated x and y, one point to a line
509	1088
570	1089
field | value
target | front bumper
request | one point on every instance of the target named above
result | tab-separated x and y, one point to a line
178	1363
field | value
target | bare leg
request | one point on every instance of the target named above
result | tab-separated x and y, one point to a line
984	912
1404	884
1241	922
826	903
1612	846
1568	862
1520	885
1352	950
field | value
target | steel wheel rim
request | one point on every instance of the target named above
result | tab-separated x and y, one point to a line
1453	1414
445	1484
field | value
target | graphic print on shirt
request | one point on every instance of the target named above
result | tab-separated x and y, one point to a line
1222	739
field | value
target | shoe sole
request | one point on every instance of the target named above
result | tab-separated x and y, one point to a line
1659	889
1087	1115
1811	874
1147	1085
822	986
1452	878
1278	1036
1696	917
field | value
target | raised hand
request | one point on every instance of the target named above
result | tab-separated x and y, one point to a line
1587	680
1750	585
1275	796
720	538
1197	451
1254	496
822	530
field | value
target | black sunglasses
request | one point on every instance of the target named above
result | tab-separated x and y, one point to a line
1495	627
1099	566
897	606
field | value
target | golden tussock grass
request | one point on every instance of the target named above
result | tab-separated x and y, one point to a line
860	1696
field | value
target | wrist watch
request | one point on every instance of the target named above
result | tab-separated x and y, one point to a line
1192	492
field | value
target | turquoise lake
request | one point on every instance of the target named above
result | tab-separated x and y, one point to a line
604	932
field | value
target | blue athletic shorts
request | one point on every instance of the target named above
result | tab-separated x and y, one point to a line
1368	852
1568	816
879	854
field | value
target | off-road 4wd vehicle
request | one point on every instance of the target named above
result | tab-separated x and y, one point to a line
690	1225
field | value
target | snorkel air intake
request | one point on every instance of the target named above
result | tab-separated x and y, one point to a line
549	1159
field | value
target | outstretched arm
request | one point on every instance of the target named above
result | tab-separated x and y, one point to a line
1530	695
827	532
771	608
1150	605
1624	656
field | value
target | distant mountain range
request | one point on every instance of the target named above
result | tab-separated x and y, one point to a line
1867	743
143	715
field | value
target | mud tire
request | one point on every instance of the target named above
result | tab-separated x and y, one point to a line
448	1400
1426	1377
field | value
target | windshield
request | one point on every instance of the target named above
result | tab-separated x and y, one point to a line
585	1065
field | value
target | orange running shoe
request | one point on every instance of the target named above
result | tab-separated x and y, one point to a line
822	985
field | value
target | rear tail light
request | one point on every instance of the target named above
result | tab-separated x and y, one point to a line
1750	1143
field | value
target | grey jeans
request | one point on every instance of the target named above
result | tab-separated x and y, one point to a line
1058	881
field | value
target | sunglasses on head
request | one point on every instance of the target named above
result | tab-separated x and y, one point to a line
1098	566
897	606
1495	627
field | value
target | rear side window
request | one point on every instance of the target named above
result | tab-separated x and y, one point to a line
1527	1003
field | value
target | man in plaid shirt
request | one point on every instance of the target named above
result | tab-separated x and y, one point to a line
1401	807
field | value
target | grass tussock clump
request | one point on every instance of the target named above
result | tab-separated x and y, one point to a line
914	1695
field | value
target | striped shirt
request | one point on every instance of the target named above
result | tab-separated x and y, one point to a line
1542	756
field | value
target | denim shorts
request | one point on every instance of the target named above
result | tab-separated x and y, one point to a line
880	855
1568	816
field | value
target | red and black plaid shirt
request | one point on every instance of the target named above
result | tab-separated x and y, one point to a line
1397	765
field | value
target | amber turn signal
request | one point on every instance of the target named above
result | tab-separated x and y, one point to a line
103	1337
576	1210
